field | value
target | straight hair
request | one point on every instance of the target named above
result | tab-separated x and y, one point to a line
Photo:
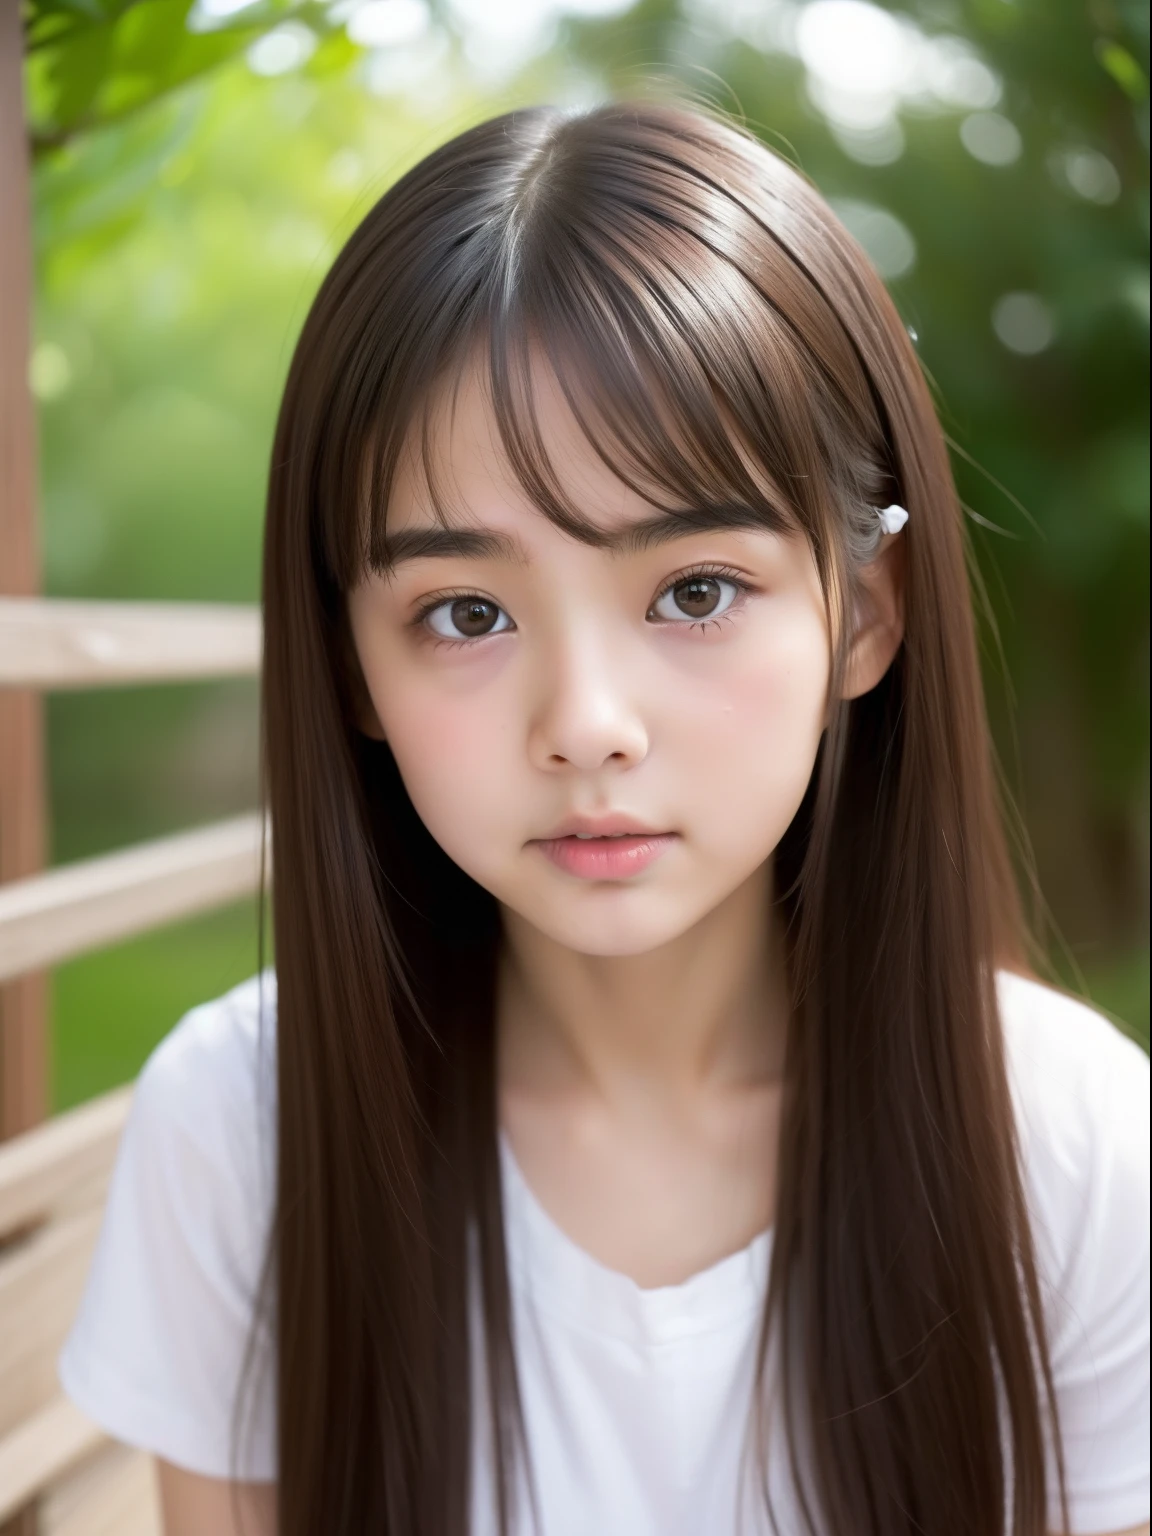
723	342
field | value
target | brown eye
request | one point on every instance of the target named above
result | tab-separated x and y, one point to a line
473	616
466	618
696	597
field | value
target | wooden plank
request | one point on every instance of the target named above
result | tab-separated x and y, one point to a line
40	1170
41	1450
57	1175
95	902
41	1282
23	1003
47	644
116	1493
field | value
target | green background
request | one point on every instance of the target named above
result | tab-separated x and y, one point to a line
196	170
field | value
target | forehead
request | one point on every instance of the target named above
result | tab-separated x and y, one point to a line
454	467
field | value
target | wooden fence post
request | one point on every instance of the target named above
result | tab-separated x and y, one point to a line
23	1002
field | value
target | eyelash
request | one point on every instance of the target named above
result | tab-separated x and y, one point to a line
724	572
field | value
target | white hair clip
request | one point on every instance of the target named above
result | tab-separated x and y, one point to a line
891	519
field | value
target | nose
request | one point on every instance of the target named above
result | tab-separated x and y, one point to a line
587	716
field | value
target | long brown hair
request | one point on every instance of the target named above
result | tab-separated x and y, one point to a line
699	303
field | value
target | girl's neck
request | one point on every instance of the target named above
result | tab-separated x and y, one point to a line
705	1013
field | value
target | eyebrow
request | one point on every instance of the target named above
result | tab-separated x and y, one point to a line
489	544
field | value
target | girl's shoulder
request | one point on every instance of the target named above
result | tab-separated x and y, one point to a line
1081	1091
225	1032
156	1349
1070	1067
219	1061
206	1096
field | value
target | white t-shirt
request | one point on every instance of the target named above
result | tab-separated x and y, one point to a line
636	1401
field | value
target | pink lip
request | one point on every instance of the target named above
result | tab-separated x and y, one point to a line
605	858
602	826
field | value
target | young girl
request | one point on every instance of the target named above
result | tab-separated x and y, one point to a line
652	1129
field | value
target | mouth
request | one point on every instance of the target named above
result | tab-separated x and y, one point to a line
614	825
614	852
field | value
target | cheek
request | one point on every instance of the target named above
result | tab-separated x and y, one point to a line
757	724
782	694
451	747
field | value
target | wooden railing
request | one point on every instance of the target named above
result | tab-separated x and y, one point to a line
83	906
90	645
52	1186
59	1475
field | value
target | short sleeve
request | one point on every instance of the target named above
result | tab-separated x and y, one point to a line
156	1352
1084	1091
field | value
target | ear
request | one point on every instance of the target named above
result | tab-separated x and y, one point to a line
879	617
358	699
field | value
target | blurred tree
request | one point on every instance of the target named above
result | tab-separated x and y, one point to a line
94	62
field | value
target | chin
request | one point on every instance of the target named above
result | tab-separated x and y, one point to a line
615	930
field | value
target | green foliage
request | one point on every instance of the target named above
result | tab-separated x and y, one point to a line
95	62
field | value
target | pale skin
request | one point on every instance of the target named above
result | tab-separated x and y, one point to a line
641	1020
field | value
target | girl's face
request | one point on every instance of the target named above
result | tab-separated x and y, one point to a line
673	686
